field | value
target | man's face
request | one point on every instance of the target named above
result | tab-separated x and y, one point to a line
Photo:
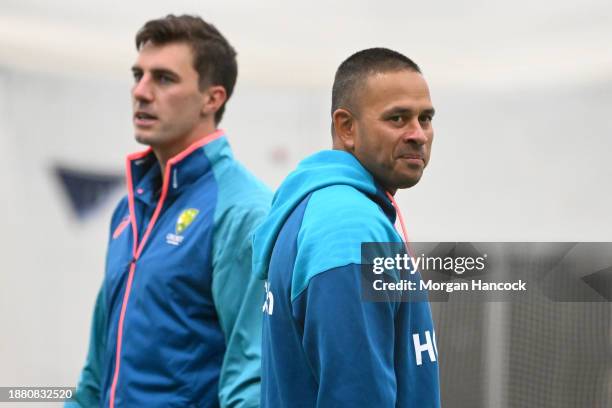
393	130
166	98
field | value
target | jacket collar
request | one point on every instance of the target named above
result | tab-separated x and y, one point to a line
144	177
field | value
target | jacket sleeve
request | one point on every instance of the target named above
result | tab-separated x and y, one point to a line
88	389
238	297
348	342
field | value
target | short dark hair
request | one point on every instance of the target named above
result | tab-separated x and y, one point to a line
353	72
214	58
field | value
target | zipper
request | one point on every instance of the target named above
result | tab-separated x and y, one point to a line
137	247
403	225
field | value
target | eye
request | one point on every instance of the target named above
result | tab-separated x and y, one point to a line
137	75
396	119
425	119
164	79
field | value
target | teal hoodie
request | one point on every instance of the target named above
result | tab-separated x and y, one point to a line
322	344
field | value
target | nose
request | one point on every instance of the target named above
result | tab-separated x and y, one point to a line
415	133
142	90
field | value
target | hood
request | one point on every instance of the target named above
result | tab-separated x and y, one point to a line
323	169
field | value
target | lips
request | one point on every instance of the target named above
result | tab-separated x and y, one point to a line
144	119
144	115
413	160
413	156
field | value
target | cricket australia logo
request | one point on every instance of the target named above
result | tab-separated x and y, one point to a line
184	220
268	306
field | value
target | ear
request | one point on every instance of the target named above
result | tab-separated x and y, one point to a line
213	97
344	129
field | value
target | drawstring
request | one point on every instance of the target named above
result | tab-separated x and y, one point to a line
401	219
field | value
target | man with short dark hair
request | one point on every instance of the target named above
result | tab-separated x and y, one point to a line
323	346
176	320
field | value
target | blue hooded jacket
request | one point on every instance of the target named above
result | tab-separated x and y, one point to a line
323	345
176	322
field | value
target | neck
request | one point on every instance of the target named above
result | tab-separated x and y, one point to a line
337	145
166	152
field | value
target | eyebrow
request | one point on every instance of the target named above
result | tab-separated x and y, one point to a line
156	71
407	111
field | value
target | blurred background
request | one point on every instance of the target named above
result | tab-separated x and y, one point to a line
523	94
